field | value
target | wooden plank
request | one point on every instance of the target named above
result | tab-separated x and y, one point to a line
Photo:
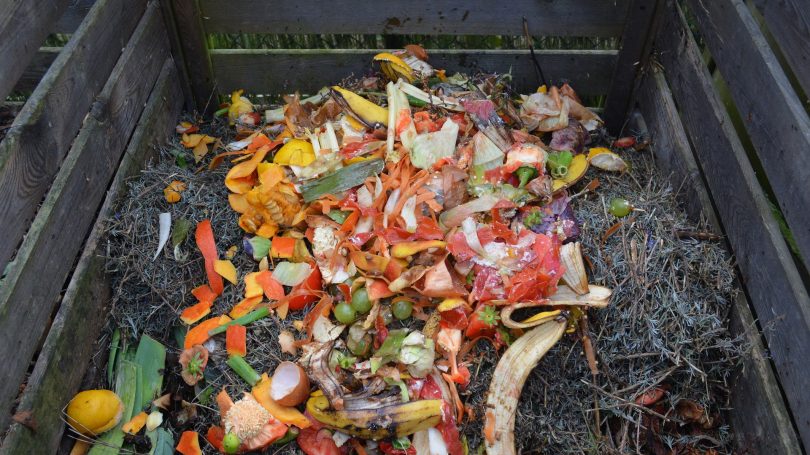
307	70
23	26
69	345
188	23
635	50
775	118
671	147
176	46
41	134
759	416
42	266
789	22
767	269
36	69
437	17
73	16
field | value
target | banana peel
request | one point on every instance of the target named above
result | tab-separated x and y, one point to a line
394	67
396	420
507	382
363	110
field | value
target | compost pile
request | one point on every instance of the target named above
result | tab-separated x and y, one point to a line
380	267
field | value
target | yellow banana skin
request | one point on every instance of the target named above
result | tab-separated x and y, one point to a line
394	67
395	420
362	109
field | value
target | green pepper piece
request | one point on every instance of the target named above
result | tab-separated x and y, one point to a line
525	174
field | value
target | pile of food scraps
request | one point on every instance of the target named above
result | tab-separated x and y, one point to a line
380	269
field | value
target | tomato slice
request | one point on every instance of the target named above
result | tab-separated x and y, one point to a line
317	442
312	283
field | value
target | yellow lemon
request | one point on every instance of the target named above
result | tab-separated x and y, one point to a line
93	412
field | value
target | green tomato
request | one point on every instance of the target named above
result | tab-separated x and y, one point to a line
360	301
620	207
231	443
402	309
344	313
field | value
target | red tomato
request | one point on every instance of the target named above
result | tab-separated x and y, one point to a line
459	248
423	123
454	319
483	322
315	442
312	283
389	449
447	426
487	285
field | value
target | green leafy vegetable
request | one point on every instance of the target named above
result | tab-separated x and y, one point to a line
114	344
151	360
389	351
338	216
342	179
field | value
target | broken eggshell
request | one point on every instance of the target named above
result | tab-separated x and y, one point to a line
290	385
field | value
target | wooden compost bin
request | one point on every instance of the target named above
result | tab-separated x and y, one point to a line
100	104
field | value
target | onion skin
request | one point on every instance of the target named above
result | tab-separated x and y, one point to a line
298	394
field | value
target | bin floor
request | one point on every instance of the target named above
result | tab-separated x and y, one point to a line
665	336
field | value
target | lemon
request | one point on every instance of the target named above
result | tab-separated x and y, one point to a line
93	412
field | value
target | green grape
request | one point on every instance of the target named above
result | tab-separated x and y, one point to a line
344	313
360	301
620	208
231	443
402	309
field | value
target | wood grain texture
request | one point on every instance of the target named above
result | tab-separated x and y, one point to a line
23	27
73	16
307	70
789	22
775	118
437	17
36	69
775	288
759	416
68	211
39	138
197	61
635	48
673	155
69	345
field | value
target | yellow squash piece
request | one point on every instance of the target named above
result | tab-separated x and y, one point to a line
296	152
450	304
226	269
395	420
284	414
93	412
135	424
360	108
576	170
405	249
